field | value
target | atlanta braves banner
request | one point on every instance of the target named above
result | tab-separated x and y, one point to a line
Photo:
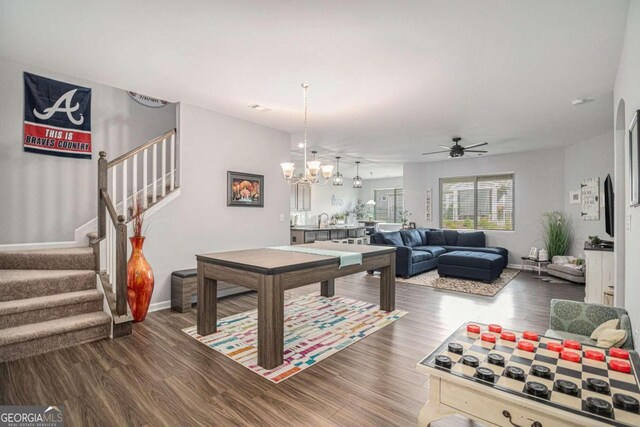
57	118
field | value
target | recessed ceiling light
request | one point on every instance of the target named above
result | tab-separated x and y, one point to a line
301	145
580	101
260	108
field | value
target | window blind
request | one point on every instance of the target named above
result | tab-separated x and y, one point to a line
478	202
389	204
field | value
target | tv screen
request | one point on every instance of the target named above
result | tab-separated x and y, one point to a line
608	205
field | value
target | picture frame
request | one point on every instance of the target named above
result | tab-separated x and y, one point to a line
590	198
634	162
245	189
574	197
533	253
412	225
428	205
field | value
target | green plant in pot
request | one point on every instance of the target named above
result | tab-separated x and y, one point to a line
557	233
404	216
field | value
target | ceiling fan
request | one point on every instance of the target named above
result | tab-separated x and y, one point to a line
457	150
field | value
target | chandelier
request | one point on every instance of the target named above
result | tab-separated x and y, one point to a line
357	181
312	168
337	177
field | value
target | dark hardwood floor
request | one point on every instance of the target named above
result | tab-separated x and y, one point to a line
160	376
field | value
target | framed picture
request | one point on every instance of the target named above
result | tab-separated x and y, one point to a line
634	161
428	205
533	253
412	225
574	197
245	189
590	197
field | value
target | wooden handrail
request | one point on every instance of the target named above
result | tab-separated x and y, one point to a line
110	208
139	149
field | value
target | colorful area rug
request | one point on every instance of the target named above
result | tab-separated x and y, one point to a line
315	327
433	280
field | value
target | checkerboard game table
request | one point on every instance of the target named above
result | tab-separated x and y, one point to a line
512	378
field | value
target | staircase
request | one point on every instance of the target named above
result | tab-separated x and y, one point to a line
55	298
49	300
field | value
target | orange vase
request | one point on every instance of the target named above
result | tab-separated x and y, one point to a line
139	281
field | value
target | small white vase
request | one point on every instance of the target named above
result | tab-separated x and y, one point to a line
543	255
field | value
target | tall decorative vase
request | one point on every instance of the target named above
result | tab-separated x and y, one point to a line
139	281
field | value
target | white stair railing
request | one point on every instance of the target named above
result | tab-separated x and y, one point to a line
112	221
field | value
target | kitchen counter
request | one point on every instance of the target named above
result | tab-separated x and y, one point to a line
309	234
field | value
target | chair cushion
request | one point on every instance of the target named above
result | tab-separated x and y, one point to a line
392	238
436	238
192	272
470	259
450	237
418	256
566	269
411	238
475	239
436	251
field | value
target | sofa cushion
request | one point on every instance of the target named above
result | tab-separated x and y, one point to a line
423	235
475	239
568	269
436	238
450	237
392	238
419	256
436	251
411	238
481	260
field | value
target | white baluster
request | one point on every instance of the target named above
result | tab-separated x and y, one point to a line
124	189
108	241
172	162
144	179
114	186
134	180
154	177
164	167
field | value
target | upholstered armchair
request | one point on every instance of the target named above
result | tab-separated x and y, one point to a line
577	320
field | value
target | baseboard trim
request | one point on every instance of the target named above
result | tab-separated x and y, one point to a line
157	306
515	266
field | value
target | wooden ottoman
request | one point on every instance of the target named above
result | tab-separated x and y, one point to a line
184	286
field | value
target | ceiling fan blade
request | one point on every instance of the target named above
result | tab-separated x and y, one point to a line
445	147
476	145
475	151
437	152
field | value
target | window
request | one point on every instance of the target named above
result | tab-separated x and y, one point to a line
477	202
389	204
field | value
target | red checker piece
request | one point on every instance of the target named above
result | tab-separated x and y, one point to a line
574	345
495	328
473	328
488	337
555	346
529	335
570	356
619	353
508	336
620	366
594	355
525	346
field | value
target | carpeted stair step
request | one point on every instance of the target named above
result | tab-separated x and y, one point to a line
18	284
40	309
29	340
49	259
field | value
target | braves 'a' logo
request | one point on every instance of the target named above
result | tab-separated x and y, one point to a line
57	108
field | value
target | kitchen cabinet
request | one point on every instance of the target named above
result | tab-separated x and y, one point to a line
300	198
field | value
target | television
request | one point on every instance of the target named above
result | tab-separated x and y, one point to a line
608	205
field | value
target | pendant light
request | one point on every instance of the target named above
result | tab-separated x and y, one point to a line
357	181
337	177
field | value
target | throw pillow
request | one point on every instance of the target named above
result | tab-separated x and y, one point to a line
411	238
436	238
475	239
392	238
609	324
612	338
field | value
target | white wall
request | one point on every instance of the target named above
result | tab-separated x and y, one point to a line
331	200
627	88
588	159
199	221
539	188
45	198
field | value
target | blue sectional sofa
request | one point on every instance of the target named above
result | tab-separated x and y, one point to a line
418	249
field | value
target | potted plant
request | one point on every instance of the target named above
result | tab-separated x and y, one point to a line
557	233
404	217
140	279
340	218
